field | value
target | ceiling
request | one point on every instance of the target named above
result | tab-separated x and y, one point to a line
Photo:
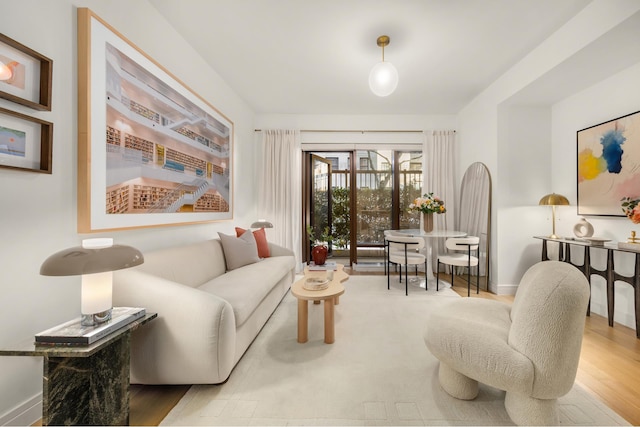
314	56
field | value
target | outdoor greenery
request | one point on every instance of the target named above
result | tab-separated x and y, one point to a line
373	214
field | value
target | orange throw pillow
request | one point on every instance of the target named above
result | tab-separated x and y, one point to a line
261	241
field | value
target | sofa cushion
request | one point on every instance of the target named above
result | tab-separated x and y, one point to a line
239	251
261	241
246	287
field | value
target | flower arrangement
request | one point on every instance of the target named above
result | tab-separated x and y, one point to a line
428	204
631	208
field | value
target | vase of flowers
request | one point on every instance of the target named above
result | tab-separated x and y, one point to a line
428	205
631	208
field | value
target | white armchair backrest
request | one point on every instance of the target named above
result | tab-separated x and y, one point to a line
547	318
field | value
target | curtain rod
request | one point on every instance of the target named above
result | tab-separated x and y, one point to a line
354	131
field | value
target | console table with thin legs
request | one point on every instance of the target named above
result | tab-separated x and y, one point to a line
609	274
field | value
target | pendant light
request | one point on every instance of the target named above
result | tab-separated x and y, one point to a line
383	78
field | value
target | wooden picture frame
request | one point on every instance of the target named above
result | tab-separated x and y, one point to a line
26	143
30	75
608	165
151	152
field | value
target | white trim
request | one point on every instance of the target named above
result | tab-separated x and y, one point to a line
503	289
622	318
311	141
25	414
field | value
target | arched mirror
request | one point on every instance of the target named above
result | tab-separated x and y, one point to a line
475	210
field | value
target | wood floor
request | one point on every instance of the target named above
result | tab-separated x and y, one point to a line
609	369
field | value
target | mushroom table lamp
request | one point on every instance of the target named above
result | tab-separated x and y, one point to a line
553	200
95	260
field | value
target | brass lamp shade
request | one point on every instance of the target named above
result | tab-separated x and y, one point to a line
553	200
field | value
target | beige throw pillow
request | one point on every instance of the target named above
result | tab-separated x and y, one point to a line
239	251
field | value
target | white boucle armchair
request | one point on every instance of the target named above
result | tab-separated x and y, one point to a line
530	348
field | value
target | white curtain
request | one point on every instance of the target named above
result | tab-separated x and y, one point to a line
438	177
279	196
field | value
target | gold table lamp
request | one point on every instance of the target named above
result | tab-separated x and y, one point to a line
553	200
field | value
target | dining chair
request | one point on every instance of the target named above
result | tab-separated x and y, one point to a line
461	256
391	247
404	251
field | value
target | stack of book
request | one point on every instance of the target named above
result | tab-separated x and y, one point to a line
329	265
74	333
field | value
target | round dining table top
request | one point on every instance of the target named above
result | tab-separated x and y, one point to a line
415	232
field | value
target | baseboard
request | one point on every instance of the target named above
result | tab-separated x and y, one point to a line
503	289
623	318
25	414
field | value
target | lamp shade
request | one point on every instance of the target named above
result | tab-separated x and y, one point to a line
553	199
90	258
262	223
383	78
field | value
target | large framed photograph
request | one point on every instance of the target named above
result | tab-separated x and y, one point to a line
25	142
608	165
151	152
25	75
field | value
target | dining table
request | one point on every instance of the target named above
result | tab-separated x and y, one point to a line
428	247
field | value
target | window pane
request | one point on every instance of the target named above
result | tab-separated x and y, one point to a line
410	165
374	187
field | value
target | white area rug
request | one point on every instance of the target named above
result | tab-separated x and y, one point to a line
378	371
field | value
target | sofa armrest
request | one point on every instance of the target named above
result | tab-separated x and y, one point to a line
194	331
277	250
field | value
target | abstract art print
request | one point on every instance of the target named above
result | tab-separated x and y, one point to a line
608	165
151	152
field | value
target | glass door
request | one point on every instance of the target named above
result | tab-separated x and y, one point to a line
374	201
318	223
357	207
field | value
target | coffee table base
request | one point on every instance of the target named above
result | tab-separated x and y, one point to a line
330	296
329	320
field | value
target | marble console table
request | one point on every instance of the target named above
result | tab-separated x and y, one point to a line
609	273
85	385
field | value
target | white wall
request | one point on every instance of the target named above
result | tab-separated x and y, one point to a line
38	212
508	118
614	97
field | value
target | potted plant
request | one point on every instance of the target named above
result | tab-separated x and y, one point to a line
319	251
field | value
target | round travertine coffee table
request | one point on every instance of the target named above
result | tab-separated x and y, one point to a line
330	296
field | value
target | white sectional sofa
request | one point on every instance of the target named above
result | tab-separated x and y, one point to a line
207	316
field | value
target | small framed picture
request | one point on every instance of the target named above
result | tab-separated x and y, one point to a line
25	75
25	142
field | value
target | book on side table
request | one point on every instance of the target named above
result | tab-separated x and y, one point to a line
73	333
329	265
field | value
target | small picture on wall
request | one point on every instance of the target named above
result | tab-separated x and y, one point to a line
25	75
25	142
608	165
